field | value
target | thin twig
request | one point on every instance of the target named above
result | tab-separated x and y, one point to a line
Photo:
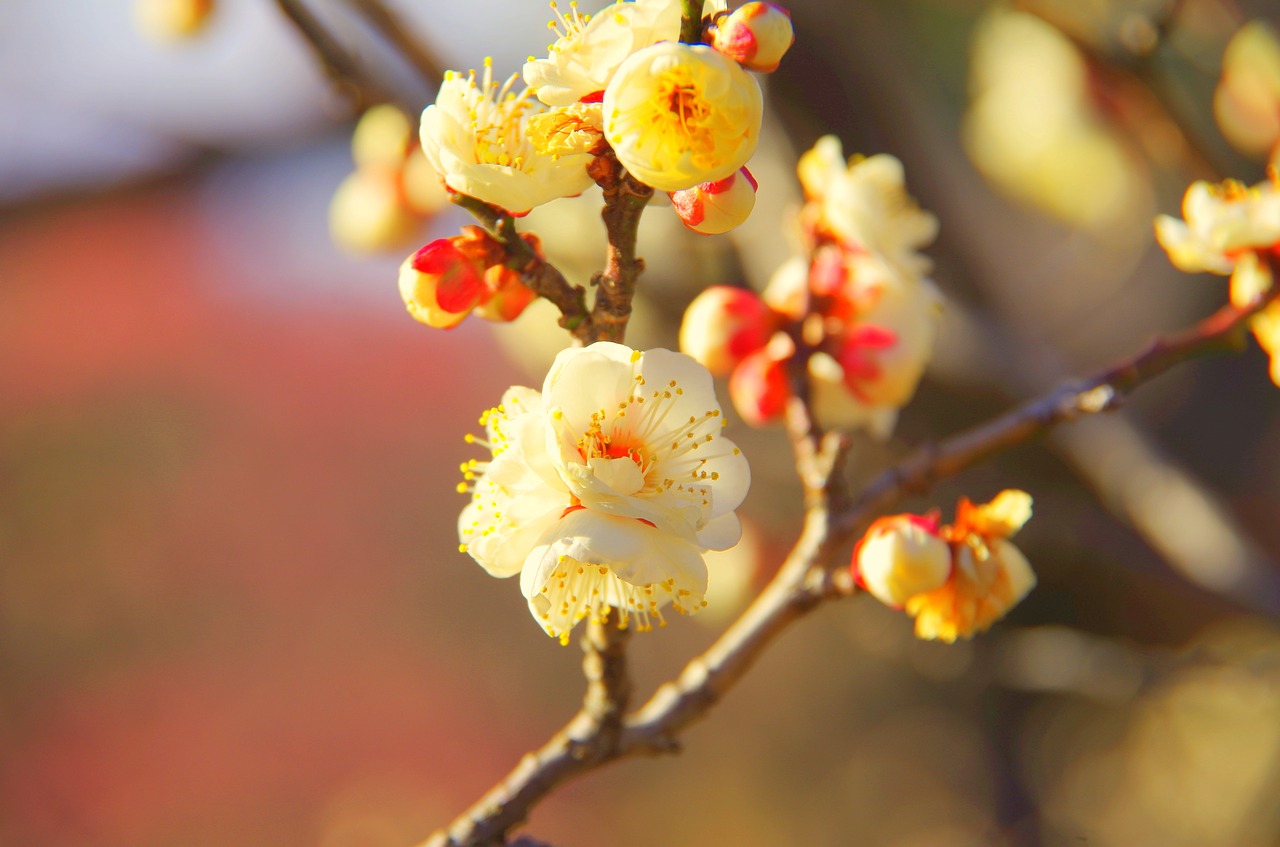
590	739
343	70
389	25
1221	331
539	275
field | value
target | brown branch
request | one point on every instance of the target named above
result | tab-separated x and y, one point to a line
1221	331
342	69
390	27
625	199
589	740
539	275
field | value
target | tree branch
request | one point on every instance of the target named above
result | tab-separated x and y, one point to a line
589	740
389	25
342	69
539	275
625	199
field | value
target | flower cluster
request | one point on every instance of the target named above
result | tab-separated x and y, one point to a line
604	489
449	278
859	303
955	580
1232	229
381	204
675	115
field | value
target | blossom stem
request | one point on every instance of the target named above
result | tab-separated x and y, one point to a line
625	199
691	21
539	275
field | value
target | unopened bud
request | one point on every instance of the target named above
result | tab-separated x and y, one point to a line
756	35
859	358
441	284
382	137
171	20
759	388
510	296
724	325
901	556
715	207
424	191
367	212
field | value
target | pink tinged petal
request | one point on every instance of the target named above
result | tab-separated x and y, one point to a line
723	325
759	388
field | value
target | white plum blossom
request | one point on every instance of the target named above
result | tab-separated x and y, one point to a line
605	489
590	48
864	203
476	136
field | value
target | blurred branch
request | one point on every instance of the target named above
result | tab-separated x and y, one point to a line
343	70
389	25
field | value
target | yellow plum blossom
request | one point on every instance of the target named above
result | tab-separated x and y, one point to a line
476	137
605	488
1229	228
989	576
678	115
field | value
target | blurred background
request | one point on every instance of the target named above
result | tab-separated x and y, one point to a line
231	606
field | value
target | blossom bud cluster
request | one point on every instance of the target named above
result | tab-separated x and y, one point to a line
447	279
382	203
955	580
1231	229
859	303
676	116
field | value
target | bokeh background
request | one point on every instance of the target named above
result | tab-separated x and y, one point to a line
231	606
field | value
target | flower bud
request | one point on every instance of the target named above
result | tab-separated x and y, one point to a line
424	191
383	137
859	357
367	214
759	388
171	20
441	284
723	325
510	296
715	207
901	556
756	35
